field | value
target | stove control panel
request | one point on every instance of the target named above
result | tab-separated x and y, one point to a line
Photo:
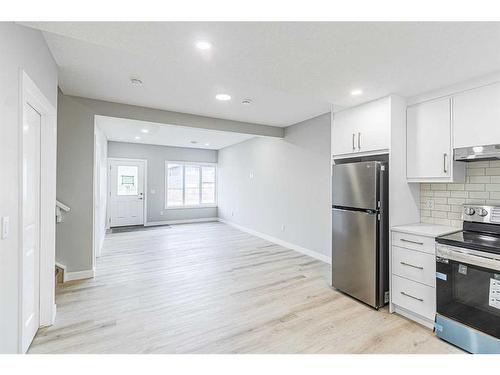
481	214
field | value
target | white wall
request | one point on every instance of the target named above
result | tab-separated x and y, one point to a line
20	48
266	183
100	188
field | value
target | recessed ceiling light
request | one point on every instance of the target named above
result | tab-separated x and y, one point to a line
137	137
246	101
194	142
203	45
136	81
145	131
223	97
356	92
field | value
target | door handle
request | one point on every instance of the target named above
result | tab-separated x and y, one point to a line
411	265
410	241
141	198
445	155
359	141
353	137
409	295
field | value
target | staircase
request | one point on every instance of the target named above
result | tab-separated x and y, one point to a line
59	269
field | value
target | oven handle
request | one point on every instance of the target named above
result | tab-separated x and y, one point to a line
466	257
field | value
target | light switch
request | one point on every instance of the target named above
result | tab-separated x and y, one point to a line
5	227
153	191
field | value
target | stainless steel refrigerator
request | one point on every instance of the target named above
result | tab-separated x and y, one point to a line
360	246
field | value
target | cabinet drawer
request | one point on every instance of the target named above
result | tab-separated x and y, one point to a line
415	297
414	265
411	241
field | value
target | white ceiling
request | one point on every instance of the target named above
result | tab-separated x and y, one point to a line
291	70
125	130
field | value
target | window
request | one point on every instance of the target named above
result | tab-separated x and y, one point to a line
190	185
127	180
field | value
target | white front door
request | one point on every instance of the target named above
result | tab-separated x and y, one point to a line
31	225
126	192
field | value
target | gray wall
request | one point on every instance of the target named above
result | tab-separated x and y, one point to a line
156	157
75	160
75	164
290	185
20	48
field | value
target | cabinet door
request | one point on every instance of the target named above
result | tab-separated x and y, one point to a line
428	139
343	133
373	126
362	129
476	117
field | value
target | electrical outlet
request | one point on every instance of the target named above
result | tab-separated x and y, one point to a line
429	204
161	213
251	175
153	191
282	227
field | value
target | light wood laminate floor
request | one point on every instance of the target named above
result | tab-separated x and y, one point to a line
210	288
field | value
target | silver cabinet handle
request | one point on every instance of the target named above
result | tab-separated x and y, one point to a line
409	295
445	155
359	141
353	136
411	265
410	241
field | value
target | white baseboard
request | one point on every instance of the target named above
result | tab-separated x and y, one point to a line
300	249
54	313
79	275
187	221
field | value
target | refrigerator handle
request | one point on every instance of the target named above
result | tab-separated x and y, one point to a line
383	231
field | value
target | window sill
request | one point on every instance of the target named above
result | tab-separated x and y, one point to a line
191	207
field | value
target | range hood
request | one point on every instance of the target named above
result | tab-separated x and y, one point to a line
488	152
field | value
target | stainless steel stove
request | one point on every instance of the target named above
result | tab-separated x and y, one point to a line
468	282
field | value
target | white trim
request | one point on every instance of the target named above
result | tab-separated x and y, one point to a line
360	154
184	163
191	207
300	249
79	275
186	221
29	92
145	199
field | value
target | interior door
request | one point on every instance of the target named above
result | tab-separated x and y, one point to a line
126	192
30	225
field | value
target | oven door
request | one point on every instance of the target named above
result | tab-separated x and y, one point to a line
468	288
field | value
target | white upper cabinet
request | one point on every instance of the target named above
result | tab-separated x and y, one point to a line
362	130
476	117
428	146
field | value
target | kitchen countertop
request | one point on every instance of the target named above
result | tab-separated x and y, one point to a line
427	230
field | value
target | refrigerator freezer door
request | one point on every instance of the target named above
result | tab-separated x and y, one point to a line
355	185
354	254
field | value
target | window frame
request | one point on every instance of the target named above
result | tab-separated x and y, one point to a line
184	164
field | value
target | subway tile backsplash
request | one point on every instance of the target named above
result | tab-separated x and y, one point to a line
441	203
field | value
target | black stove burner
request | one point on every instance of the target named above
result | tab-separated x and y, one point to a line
472	240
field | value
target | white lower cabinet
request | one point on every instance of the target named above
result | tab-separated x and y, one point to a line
413	277
414	265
